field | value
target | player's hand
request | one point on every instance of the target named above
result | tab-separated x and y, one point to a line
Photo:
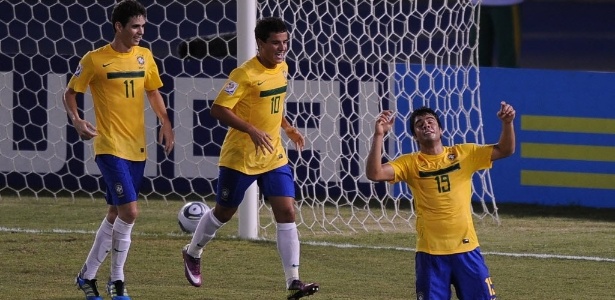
294	135
166	138
506	113
384	122
85	129
261	140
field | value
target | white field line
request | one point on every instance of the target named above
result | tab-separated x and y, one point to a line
326	244
532	255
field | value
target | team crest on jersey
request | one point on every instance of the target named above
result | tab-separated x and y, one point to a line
452	156
231	87
141	61
78	71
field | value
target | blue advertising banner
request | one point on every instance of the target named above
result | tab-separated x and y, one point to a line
565	129
565	126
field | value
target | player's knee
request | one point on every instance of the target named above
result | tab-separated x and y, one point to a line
224	214
285	214
128	212
285	219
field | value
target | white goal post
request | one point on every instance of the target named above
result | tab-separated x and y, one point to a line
348	61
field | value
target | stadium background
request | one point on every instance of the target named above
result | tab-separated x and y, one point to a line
563	44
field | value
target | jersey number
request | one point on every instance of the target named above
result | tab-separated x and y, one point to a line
130	88
444	185
275	105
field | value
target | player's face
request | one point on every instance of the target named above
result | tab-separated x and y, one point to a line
426	128
271	52
131	34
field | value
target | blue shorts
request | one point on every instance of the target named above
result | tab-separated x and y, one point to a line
467	272
122	177
232	185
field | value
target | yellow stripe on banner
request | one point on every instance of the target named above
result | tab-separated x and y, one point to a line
568	124
568	179
570	152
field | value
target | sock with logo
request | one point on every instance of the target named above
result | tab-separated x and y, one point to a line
98	253
288	247
205	232
120	246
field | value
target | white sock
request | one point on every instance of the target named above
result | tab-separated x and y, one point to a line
289	249
120	247
99	250
205	232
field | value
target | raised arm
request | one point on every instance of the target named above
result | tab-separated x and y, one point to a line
166	134
506	145
374	169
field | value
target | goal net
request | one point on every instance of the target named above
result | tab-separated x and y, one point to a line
348	61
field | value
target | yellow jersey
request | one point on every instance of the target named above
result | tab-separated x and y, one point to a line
256	95
442	189
118	82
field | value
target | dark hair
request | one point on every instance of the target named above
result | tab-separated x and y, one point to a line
126	9
421	112
266	26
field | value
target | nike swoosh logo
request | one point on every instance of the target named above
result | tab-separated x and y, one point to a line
118	250
105	65
260	82
193	278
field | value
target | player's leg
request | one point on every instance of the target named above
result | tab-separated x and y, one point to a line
123	179
86	279
471	277
122	231
98	252
433	273
231	189
278	186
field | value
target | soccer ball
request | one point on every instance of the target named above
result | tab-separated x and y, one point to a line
190	214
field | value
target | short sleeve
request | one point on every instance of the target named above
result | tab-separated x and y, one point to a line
83	75
401	168
152	77
234	89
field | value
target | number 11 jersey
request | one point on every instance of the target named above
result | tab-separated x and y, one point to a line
118	82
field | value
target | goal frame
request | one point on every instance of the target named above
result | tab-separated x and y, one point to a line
343	62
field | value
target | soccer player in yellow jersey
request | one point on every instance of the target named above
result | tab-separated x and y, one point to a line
119	76
251	103
440	179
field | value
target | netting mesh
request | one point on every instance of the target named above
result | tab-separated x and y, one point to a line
348	61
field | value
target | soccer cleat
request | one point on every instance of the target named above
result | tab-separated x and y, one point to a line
192	268
117	290
89	287
298	289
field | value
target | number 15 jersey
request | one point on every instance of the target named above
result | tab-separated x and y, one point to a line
442	189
